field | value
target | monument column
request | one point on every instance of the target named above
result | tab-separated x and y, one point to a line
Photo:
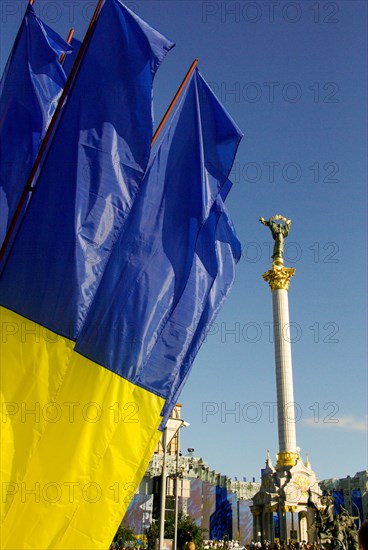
291	486
278	278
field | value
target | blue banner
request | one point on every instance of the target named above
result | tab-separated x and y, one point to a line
90	176
30	88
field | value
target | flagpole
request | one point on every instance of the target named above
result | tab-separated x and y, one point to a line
68	40
174	101
28	187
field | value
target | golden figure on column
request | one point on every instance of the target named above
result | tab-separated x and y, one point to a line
278	276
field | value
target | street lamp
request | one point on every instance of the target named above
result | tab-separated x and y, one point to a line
171	429
176	508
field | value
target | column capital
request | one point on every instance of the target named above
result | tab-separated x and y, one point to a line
278	277
286	458
271	508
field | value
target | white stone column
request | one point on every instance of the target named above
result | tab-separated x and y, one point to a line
278	278
284	372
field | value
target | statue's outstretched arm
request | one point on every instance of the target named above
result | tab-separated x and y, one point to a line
287	228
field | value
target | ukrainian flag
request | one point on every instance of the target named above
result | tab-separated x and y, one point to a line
76	436
77	439
106	295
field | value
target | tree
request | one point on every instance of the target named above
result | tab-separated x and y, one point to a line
122	536
187	531
152	535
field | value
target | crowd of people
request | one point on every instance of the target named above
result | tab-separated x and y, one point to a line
266	545
284	545
289	545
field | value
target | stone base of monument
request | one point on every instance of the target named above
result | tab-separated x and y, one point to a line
283	509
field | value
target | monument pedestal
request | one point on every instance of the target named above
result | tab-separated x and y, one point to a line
281	508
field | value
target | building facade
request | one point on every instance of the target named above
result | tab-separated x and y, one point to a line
223	506
350	493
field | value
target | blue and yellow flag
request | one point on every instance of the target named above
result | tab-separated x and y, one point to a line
94	292
66	479
30	88
150	265
90	176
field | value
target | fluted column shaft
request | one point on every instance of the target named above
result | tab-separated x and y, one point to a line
284	374
278	277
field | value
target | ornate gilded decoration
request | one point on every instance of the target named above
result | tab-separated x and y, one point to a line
278	277
271	508
287	459
302	481
307	463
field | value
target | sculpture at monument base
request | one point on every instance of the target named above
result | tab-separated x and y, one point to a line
334	532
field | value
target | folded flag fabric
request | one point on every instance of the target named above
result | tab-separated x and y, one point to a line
212	276
90	176
85	189
30	88
84	388
72	56
152	260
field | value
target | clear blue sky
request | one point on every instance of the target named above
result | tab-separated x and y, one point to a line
293	76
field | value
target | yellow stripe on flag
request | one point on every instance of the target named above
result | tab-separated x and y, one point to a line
73	434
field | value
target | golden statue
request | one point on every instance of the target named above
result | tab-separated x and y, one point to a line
279	233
